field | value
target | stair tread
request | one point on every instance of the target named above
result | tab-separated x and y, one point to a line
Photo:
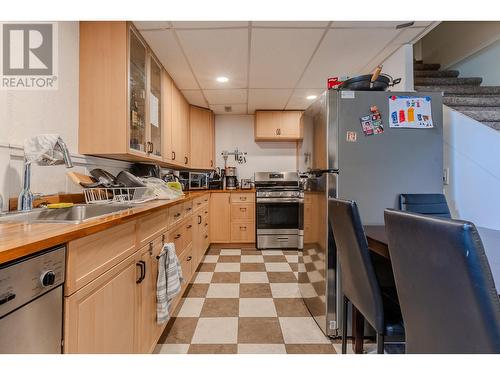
440	81
461	89
436	73
425	66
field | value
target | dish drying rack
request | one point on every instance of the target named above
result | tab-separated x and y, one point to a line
116	194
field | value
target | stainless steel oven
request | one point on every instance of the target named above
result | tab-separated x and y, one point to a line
279	210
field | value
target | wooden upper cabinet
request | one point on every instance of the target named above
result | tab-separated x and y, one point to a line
201	129
180	141
278	125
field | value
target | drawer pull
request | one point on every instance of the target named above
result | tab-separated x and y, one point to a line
199	219
189	258
177	215
206	235
243	209
189	226
199	203
206	212
189	209
243	228
243	198
206	224
162	238
178	236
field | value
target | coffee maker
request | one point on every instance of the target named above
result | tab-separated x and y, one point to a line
231	178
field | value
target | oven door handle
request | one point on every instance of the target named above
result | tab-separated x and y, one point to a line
280	200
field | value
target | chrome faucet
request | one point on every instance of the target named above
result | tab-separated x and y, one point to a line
58	155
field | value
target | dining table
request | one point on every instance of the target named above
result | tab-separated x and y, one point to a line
378	243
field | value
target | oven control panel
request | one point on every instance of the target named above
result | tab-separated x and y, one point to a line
280	194
26	279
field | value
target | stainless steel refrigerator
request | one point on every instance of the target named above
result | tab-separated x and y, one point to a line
369	169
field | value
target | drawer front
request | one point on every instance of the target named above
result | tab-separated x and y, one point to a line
175	214
200	201
188	208
186	261
188	231
91	256
151	227
242	232
242	197
242	212
176	235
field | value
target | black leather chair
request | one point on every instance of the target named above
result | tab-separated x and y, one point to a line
359	281
428	204
444	283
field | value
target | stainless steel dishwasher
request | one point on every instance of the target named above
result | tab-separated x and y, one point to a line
31	303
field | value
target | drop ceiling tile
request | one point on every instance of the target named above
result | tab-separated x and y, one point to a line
148	25
195	97
208	24
227	96
236	109
279	56
345	52
366	24
217	52
166	48
305	24
267	99
299	100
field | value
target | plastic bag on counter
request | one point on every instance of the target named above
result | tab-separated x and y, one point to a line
159	188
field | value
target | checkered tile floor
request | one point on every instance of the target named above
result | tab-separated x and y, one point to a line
244	301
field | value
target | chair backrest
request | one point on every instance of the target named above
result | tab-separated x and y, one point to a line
359	282
427	204
446	290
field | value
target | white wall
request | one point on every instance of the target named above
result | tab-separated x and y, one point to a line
484	63
400	65
237	131
26	113
451	42
471	154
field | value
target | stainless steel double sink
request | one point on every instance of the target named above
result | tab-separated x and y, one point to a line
70	215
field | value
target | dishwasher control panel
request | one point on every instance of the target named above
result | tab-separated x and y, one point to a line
24	280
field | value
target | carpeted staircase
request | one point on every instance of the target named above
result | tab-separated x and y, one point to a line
465	95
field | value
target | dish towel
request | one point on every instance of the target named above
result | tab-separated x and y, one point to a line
168	284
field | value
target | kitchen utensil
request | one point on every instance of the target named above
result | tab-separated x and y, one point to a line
145	170
246	183
127	179
83	180
104	177
364	82
375	75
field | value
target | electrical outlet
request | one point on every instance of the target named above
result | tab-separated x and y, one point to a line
446	176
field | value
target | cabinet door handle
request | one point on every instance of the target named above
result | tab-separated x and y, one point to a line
150	147
189	258
173	155
206	235
142	265
178	236
186	159
199	219
277	132
211	163
206	224
163	239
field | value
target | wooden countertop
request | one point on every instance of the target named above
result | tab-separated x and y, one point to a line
230	191
19	239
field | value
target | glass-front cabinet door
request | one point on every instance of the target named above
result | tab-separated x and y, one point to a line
137	93
155	108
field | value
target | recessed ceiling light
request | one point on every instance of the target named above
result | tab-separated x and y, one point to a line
222	79
311	97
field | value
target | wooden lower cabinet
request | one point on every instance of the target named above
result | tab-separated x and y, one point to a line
220	217
148	330
232	217
113	308
101	317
